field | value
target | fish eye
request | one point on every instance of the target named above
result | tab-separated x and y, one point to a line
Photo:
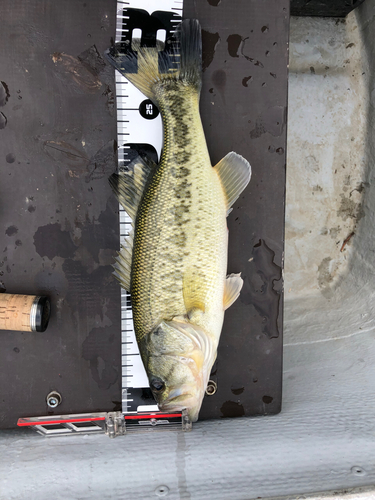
157	385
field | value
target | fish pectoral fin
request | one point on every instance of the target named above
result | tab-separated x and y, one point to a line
128	185
195	314
232	288
179	319
194	295
234	173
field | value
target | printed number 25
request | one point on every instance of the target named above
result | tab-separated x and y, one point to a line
149	110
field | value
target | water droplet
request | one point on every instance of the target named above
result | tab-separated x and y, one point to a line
246	80
267	399
4	93
11	231
3	121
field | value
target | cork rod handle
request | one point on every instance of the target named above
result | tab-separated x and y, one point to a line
24	313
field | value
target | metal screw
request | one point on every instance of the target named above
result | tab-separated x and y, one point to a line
358	471
211	388
162	491
53	399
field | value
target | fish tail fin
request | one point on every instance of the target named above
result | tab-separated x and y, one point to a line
148	68
190	52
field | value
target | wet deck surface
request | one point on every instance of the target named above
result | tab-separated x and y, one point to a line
59	219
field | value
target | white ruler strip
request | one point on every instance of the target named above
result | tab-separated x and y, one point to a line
132	128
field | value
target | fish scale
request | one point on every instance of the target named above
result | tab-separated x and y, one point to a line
200	226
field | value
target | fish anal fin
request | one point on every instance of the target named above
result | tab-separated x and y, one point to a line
234	173
232	289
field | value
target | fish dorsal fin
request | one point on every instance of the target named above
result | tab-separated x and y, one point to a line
128	185
194	295
232	288
123	264
234	173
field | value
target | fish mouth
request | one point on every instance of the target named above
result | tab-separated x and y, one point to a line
186	397
193	412
186	401
178	399
178	402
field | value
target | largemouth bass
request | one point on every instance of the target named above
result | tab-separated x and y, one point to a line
174	263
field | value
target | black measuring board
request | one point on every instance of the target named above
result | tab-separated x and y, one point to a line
58	216
60	219
244	109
